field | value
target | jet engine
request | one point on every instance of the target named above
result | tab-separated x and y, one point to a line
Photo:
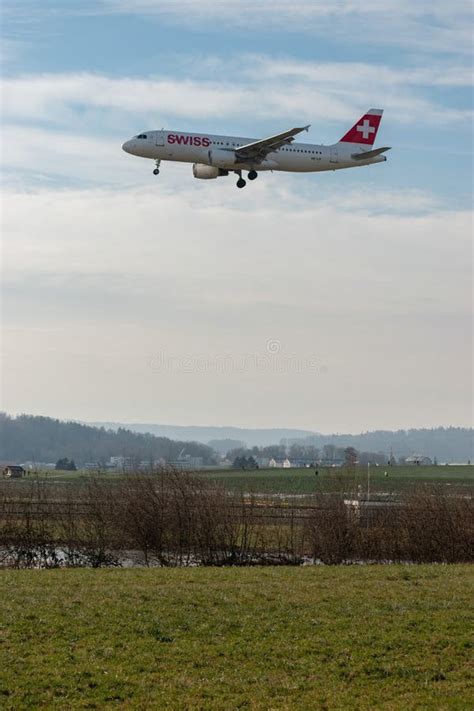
207	172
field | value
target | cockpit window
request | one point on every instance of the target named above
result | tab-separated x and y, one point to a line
142	135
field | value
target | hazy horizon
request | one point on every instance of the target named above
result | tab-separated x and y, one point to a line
227	426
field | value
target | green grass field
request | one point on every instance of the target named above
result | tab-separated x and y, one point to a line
362	637
304	481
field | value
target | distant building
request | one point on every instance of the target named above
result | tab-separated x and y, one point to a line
418	460
124	464
13	471
37	466
303	462
279	463
187	462
117	462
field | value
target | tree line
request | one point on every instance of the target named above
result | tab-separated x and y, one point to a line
446	444
304	455
44	439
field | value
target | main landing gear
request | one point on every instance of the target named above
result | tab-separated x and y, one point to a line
241	183
157	169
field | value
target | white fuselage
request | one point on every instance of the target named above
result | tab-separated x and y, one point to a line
218	151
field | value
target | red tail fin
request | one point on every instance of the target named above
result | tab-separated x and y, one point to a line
365	130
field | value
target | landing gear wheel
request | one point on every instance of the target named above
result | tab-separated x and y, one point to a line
241	183
156	171
252	175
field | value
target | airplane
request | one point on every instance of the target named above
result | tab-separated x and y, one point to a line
214	156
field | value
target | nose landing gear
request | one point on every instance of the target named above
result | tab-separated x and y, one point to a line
157	169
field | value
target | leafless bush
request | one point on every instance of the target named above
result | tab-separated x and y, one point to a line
423	525
331	529
26	528
173	518
142	512
90	535
44	528
436	527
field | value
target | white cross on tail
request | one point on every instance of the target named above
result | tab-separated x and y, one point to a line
366	129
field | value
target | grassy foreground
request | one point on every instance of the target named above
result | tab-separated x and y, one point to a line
368	637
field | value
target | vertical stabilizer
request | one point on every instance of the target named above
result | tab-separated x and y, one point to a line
365	130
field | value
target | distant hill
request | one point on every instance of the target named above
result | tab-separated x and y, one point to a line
43	439
447	444
251	437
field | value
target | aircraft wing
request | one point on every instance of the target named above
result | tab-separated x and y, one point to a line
258	150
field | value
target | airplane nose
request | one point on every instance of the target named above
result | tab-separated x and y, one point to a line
127	146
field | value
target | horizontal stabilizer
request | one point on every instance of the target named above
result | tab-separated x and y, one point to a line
364	155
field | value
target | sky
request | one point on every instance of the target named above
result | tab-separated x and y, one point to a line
335	302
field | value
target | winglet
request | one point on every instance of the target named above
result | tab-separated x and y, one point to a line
295	131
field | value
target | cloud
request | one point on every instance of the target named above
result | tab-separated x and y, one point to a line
35	154
432	26
97	282
82	231
278	88
345	73
427	25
